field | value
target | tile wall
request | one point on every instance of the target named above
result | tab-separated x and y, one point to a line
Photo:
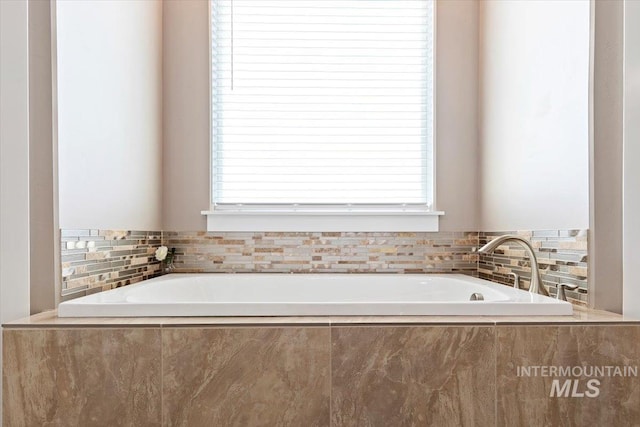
328	374
444	252
562	258
95	260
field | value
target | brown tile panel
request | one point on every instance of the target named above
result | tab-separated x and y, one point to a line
442	252
526	401
403	376
562	258
95	260
81	377
246	376
379	375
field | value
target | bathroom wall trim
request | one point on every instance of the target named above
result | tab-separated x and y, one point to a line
323	221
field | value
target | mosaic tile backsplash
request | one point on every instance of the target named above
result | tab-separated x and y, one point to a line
95	260
562	258
279	252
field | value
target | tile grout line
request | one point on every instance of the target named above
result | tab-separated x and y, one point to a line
330	372
162	375
477	253
495	374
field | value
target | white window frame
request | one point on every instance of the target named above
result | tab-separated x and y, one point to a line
318	218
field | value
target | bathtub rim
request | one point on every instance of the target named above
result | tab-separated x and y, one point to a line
80	308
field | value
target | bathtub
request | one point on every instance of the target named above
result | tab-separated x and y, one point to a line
271	294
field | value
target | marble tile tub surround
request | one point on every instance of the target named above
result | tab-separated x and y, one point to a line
343	375
562	258
523	400
396	376
246	376
81	377
339	252
97	260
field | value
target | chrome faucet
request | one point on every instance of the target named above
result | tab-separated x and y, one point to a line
536	286
516	280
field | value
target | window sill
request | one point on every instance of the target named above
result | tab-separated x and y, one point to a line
323	220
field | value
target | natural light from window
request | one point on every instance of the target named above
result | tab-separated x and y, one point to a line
322	102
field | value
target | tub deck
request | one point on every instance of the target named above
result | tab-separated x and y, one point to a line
189	295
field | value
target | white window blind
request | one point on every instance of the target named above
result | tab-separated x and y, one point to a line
322	102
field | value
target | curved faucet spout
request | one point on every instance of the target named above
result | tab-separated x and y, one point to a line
536	286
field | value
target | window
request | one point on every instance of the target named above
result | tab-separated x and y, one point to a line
322	104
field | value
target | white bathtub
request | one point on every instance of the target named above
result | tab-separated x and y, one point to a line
311	295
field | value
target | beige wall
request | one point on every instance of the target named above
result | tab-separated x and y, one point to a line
533	106
186	114
606	238
185	68
42	175
456	114
631	222
109	87
14	162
